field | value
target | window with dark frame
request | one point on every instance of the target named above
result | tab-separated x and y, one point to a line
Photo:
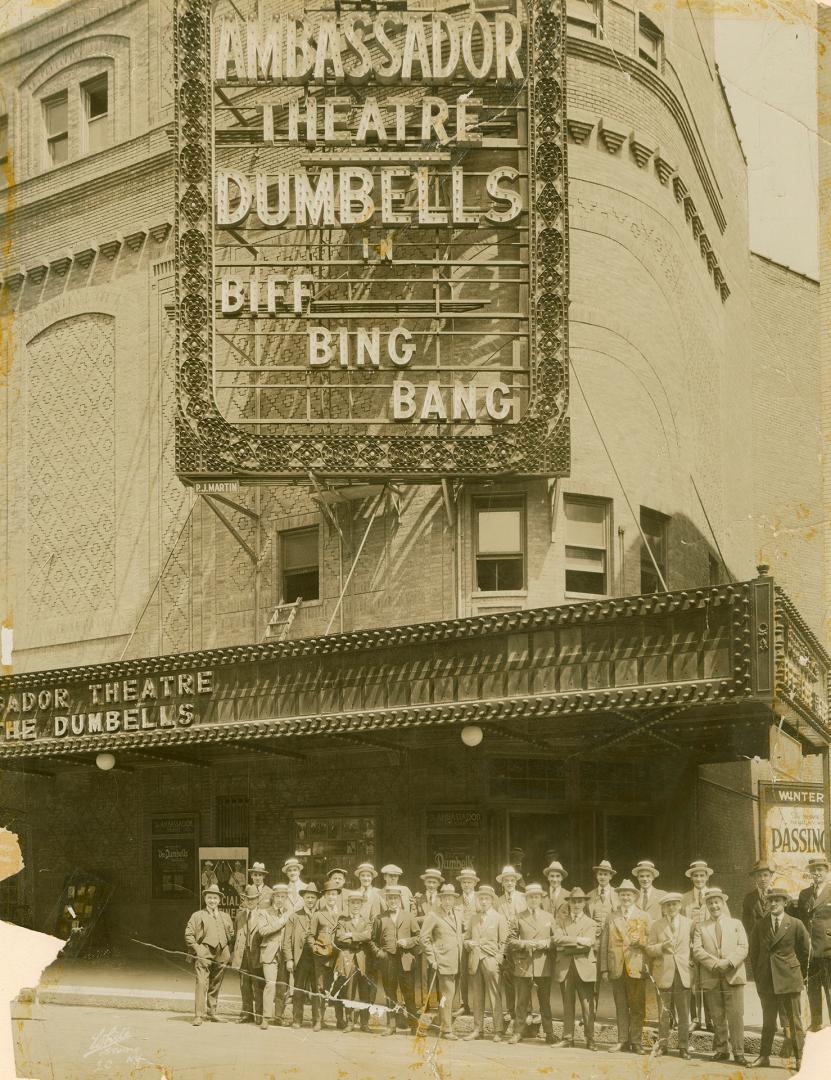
232	820
499	539
587	545
300	565
654	529
96	97
56	122
650	41
527	778
583	18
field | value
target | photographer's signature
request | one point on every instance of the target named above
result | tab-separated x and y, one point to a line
113	1042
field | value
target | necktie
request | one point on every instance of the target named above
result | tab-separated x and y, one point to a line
776	924
602	893
644	898
718	935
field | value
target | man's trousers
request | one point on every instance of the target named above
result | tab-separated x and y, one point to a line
354	987
484	989
325	986
573	987
630	1008
675	1000
523	1001
275	989
209	976
304	991
726	1005
788	1007
251	986
819	985
394	977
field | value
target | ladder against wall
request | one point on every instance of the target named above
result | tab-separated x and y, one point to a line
281	619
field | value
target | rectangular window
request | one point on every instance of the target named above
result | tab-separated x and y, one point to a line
527	778
583	18
650	40
4	139
654	529
56	122
499	536
587	545
232	821
97	113
300	562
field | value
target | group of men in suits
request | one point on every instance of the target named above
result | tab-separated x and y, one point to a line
499	952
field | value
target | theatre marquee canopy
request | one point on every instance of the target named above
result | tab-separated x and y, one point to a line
702	668
371	240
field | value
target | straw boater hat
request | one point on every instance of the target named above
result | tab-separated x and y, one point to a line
486	890
448	889
432	873
281	888
292	862
577	894
359	896
762	864
507	871
366	867
555	867
257	868
212	890
818	861
645	864
310	888
699	864
627	886
710	893
467	872
670	896
604	864
391	868
393	890
779	892
534	889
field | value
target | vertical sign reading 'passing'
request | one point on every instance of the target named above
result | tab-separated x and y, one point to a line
371	239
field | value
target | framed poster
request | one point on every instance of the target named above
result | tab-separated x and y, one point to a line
791	830
226	867
173	857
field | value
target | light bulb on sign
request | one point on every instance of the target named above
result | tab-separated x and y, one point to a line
472	735
105	762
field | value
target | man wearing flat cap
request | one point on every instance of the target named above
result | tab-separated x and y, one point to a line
207	936
719	947
694	907
353	941
530	943
602	899
511	903
814	909
324	924
257	874
335	880
486	936
246	957
392	876
300	960
292	868
555	900
575	965
668	952
442	938
780	947
395	943
272	924
623	962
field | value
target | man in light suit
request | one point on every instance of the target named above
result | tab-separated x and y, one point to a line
694	907
780	947
531	943
486	935
292	868
720	946
272	923
602	899
246	957
394	943
468	879
423	903
392	877
299	957
511	903
649	898
207	935
442	938
814	909
555	900
257	874
622	961
668	952
575	965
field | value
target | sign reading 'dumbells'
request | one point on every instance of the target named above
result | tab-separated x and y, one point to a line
371	239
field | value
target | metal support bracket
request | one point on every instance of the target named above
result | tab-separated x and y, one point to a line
324	506
249	551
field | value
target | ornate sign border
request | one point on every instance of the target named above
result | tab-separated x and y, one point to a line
209	447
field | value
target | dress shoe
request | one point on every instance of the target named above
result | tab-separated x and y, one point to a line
740	1060
684	1053
316	1026
616	1048
761	1062
514	1039
296	1024
591	1046
388	1031
365	1029
264	1025
497	1038
197	1021
450	1036
348	1025
245	1020
561	1043
637	1050
213	1018
475	1034
721	1056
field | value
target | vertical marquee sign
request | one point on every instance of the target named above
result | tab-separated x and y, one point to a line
371	239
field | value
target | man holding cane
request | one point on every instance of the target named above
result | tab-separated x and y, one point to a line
207	935
530	942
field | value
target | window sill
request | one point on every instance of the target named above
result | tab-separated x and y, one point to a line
518	594
587	596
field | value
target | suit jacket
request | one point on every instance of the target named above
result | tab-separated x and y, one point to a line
557	907
341	904
423	905
324	923
653	908
576	939
486	935
266	893
706	950
816	916
406	898
295	899
662	963
441	938
623	944
196	931
780	961
386	935
247	938
600	910
272	927
511	908
466	910
352	939
297	937
373	904
696	913
531	943
754	908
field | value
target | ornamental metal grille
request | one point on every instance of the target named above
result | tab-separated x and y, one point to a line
371	240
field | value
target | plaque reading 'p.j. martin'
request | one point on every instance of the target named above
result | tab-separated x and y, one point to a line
371	240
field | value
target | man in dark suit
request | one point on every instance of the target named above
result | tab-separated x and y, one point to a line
353	936
394	942
814	909
576	936
324	923
207	935
780	947
531	944
755	905
246	957
299	956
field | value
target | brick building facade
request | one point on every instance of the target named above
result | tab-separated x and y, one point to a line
696	422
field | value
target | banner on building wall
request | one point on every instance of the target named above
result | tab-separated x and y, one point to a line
226	867
372	240
791	830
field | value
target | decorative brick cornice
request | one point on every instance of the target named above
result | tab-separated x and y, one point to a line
612	134
84	257
135	240
159	231
642	148
60	264
36	270
13	280
110	248
580	125
679	189
663	167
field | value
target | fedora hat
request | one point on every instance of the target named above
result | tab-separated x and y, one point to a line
818	861
604	864
310	888
645	864
779	892
212	890
281	888
555	867
366	868
486	890
391	868
577	894
257	868
534	889
328	888
699	864
627	886
507	871
762	864
251	892
431	873
448	889
355	894
670	897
